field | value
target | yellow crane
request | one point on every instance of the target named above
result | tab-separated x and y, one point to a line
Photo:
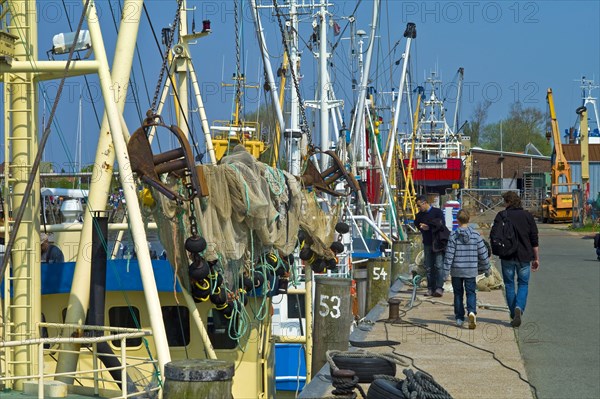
559	206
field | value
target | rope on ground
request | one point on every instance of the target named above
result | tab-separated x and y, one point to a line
422	386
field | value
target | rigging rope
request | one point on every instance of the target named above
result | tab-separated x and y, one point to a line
169	42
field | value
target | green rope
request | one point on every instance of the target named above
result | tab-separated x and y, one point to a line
275	176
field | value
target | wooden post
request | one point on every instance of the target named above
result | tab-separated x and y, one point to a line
378	281
332	318
416	241
400	259
198	378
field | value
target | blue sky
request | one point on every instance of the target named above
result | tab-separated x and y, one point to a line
510	50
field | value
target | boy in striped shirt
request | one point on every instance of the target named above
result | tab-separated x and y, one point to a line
466	253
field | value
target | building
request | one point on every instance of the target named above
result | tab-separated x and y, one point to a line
501	169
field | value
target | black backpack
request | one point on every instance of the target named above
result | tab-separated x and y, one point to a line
503	237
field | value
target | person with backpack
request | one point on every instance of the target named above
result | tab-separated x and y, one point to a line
514	238
466	255
427	220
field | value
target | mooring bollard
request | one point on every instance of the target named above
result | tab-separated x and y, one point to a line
198	378
360	276
400	259
332	318
378	283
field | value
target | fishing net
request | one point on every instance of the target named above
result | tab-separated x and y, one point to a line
251	209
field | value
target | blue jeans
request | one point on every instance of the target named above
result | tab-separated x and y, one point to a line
459	286
434	265
518	298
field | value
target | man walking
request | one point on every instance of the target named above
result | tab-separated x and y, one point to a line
524	259
426	219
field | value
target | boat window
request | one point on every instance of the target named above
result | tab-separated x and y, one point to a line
177	325
125	316
295	306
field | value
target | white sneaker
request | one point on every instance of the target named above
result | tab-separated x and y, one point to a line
472	321
459	322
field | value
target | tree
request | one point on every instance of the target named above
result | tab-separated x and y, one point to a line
523	126
475	125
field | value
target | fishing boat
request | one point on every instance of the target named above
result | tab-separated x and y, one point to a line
434	152
104	327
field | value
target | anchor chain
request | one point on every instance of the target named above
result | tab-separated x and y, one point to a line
192	215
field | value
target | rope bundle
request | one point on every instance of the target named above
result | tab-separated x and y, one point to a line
344	382
418	385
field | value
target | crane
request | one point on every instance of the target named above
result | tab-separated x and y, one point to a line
559	206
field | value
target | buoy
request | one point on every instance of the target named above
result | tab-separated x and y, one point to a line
195	244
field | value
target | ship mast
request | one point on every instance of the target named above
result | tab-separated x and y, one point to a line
21	309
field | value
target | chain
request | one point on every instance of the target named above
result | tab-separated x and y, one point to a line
304	126
168	44
193	222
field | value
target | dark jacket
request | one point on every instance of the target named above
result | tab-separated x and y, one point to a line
440	235
428	219
527	233
53	255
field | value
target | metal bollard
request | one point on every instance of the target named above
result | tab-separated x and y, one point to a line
198	378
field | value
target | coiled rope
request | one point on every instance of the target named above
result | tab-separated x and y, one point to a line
345	381
417	385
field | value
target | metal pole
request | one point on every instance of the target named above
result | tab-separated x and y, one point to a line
267	65
129	189
105	158
358	122
21	125
324	85
410	33
204	120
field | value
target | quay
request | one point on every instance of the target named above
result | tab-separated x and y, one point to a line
482	363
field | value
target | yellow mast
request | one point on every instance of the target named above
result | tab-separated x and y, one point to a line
408	204
281	98
20	96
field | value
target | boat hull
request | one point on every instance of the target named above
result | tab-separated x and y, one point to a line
444	173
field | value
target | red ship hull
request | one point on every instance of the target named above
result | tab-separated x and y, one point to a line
443	173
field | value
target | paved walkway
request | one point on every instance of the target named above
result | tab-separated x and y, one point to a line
480	363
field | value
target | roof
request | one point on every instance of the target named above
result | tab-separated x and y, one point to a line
573	152
507	153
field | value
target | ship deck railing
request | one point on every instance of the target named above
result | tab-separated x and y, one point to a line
48	346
